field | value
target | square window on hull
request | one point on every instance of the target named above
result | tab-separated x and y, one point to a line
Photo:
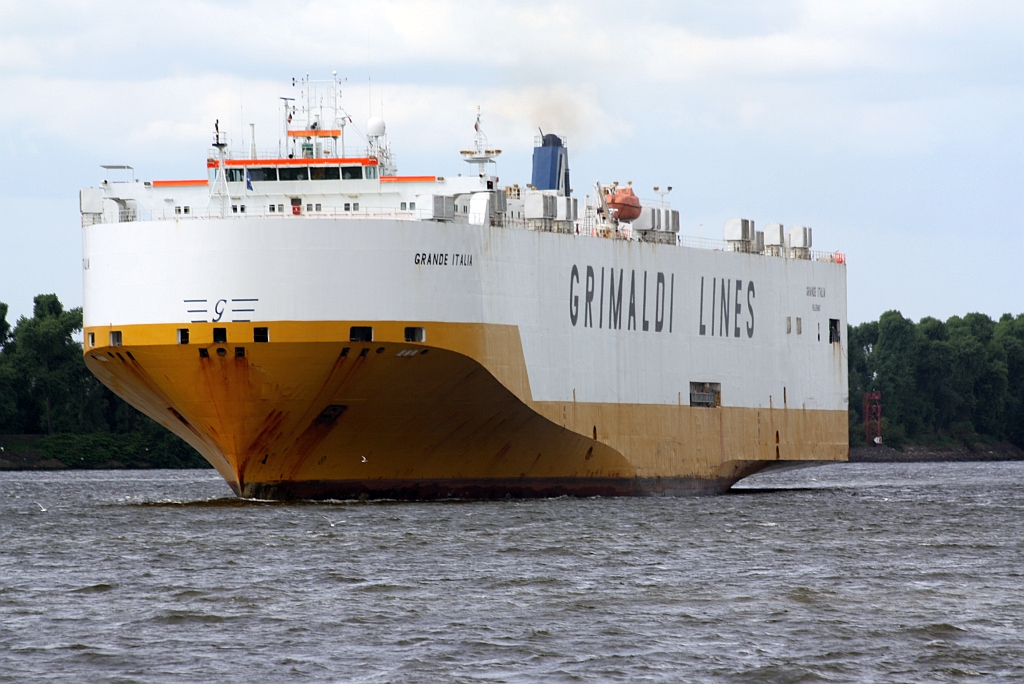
706	394
361	333
833	330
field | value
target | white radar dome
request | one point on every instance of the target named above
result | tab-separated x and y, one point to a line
375	127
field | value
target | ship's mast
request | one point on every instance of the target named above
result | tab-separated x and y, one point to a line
220	187
479	155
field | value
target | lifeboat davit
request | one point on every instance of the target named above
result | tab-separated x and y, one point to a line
625	204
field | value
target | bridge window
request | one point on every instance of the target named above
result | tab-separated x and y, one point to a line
371	172
412	206
299	173
115	338
263	174
355	206
348	206
351	172
236	175
271	208
403	206
415	335
324	173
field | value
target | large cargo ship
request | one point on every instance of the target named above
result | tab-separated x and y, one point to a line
318	326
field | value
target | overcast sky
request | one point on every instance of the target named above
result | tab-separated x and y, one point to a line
894	128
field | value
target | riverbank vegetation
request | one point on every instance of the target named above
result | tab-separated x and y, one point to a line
959	381
64	414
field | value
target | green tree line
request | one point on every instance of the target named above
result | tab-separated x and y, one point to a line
45	389
961	380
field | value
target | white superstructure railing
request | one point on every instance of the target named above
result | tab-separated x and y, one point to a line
583	227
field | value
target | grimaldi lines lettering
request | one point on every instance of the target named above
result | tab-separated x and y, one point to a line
727	301
650	299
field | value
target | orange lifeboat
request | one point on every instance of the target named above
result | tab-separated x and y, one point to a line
625	204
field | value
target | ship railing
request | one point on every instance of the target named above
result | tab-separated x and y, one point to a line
696	242
271	154
581	227
770	250
125	216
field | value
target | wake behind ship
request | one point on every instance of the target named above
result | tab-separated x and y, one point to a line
318	326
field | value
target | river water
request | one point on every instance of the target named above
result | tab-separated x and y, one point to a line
854	572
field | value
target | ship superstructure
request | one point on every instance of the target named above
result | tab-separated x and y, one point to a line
317	325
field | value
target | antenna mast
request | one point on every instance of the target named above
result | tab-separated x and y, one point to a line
220	188
479	155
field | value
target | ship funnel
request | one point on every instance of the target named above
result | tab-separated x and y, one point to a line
551	164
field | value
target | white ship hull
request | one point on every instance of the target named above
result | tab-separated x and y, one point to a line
538	314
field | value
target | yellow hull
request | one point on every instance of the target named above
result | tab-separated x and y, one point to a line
310	414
